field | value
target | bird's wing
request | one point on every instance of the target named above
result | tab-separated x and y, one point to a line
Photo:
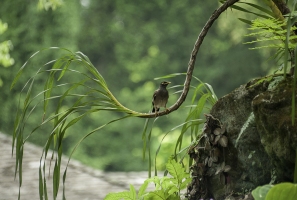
154	96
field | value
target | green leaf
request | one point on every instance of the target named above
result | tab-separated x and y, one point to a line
155	195
205	95
185	183
48	89
173	197
170	76
65	68
283	191
44	182
261	191
249	22
131	195
262	9
180	137
132	192
64	179
172	189
56	180
40	184
117	196
210	90
156	180
16	78
247	11
142	188
176	170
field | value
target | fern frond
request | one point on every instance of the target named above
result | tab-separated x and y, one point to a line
273	32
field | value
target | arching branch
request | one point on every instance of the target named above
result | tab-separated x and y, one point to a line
192	61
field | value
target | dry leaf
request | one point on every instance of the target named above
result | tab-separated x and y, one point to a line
217	131
223	141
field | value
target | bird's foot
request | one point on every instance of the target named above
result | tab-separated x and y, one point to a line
167	110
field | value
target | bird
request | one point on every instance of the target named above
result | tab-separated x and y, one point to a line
160	97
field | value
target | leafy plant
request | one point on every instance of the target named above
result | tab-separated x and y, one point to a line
271	31
88	95
47	4
203	98
5	47
276	26
282	191
261	191
280	32
165	187
78	99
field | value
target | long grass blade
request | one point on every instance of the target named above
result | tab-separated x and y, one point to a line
260	8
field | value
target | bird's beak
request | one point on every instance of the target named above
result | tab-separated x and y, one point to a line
168	82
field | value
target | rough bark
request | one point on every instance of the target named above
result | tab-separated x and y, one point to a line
256	119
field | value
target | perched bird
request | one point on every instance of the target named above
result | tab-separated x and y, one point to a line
160	97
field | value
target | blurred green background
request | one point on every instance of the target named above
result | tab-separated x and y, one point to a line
130	43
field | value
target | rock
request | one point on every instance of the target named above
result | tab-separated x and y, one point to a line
261	139
273	119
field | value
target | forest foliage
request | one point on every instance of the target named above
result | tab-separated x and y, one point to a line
130	44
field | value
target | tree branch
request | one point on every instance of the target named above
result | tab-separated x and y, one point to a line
192	61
